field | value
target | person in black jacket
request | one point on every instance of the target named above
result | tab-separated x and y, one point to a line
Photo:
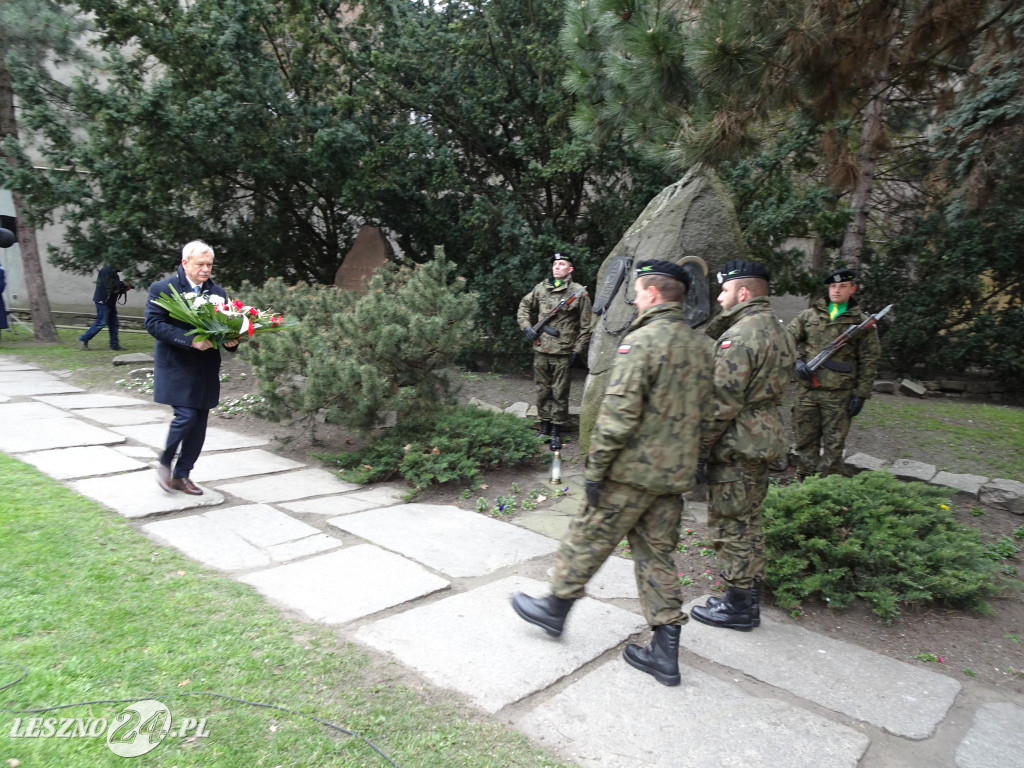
109	288
186	373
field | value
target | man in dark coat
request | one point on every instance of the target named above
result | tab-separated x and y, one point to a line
186	372
3	308
109	288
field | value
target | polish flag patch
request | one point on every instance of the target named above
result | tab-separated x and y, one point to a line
624	349
725	345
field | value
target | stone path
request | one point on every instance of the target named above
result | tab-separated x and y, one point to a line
429	585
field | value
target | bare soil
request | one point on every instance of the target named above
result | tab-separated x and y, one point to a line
979	651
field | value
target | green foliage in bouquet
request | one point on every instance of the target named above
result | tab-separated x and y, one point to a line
214	319
872	536
356	358
451	444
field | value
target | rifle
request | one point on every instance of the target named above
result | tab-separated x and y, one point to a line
542	324
821	359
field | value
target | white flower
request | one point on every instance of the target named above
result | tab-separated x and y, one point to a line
189	295
200	300
216	299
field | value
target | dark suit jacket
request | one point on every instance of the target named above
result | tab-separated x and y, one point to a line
108	286
181	375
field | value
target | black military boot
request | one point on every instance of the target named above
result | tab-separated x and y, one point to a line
660	658
545	430
733	611
556	437
755	605
548	613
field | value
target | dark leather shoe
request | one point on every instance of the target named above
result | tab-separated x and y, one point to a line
548	613
163	477
116	349
186	485
660	658
731	612
755	606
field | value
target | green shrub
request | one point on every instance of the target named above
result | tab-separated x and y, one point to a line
452	444
889	542
356	357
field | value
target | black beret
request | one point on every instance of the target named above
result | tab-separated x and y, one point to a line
651	267
562	257
841	276
740	268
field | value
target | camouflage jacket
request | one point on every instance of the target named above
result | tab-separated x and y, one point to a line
647	432
754	357
572	322
812	330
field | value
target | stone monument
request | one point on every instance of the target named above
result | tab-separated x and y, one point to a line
692	218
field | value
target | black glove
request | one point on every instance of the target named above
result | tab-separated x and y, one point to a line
702	471
573	359
593	489
853	407
802	371
529	333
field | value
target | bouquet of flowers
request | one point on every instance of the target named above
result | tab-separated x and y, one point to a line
213	318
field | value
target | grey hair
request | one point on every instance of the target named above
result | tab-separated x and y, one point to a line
196	246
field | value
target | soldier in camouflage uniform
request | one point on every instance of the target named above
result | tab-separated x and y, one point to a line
554	355
753	359
822	414
643	456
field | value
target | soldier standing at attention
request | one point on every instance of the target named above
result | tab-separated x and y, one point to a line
754	355
643	456
558	345
822	414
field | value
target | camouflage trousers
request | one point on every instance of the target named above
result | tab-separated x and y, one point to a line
820	425
735	493
551	375
651	523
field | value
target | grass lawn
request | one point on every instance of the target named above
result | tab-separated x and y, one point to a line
94	611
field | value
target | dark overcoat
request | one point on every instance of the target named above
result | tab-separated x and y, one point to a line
181	375
3	307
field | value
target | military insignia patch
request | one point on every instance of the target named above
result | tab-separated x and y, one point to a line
725	345
624	349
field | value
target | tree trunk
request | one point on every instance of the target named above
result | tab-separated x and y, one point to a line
38	302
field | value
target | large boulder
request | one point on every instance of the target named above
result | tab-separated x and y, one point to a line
693	217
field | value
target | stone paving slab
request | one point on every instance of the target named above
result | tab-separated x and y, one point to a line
203	540
31	375
225	466
967	486
546	522
346	584
14	365
28	410
329	505
136	494
32	389
995	740
91	400
119	417
58	432
288	486
453	541
618	717
261	524
614	579
155	436
474	643
245	537
897	697
4	399
137	451
81	461
380	494
908	469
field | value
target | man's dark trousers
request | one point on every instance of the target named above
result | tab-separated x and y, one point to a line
106	314
188	429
